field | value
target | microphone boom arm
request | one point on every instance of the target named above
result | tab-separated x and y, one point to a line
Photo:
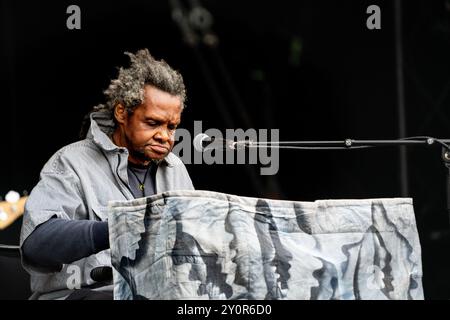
345	144
360	144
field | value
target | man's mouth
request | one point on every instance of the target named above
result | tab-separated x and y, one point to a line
159	149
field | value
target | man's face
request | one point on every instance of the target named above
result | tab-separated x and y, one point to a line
149	132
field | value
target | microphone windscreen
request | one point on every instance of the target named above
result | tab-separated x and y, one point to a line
198	141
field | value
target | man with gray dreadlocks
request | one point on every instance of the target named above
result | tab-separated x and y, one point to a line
126	154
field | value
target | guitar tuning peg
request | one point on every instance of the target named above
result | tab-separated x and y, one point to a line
12	196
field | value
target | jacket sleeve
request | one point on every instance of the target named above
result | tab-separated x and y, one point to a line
57	194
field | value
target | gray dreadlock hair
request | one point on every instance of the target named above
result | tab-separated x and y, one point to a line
128	88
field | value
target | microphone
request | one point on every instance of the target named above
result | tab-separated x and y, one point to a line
101	274
202	141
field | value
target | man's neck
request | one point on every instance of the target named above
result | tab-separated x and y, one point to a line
117	139
138	163
139	166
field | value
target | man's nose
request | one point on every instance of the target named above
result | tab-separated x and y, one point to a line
163	135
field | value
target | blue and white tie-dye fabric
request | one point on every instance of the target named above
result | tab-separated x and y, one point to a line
208	245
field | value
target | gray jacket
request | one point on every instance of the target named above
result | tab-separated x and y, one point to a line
77	183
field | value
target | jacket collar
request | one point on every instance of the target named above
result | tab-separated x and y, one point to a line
103	126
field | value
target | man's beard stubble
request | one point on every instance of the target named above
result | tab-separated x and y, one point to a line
140	154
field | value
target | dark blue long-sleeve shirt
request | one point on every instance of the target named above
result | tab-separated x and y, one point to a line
60	241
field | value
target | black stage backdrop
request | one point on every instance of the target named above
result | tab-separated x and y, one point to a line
309	68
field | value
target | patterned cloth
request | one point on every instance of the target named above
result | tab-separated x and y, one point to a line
208	245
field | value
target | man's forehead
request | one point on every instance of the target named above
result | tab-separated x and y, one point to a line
162	109
160	113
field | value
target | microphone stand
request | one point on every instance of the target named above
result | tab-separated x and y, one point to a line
446	159
359	144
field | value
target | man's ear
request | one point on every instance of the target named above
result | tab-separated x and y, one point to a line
120	113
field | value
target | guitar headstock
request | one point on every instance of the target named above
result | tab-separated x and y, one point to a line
11	209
